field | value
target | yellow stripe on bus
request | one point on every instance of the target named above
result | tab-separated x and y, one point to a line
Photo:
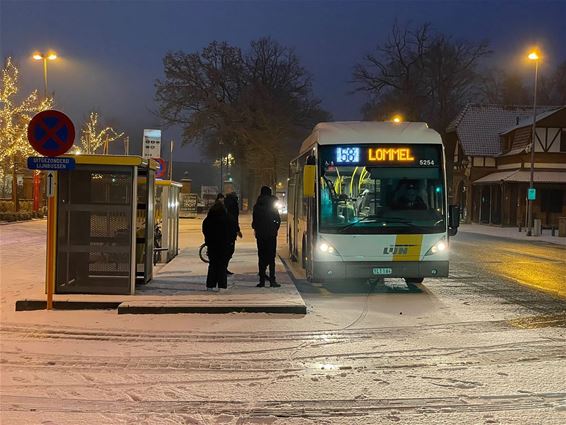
408	247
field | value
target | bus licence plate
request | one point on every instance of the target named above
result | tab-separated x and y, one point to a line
382	271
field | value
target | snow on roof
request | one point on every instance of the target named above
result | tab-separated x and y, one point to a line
528	121
478	126
359	132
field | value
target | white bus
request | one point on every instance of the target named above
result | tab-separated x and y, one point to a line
367	200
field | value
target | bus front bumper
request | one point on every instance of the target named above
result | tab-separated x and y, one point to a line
379	269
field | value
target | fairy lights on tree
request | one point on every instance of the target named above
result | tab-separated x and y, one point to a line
93	137
15	117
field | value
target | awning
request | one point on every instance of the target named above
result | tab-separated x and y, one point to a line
523	176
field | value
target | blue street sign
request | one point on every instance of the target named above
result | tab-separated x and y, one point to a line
532	194
50	163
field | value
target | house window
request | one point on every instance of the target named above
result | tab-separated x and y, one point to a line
551	200
490	162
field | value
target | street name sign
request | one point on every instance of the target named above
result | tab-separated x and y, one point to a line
50	163
532	194
51	133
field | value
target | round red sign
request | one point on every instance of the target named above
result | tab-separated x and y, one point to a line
162	167
51	133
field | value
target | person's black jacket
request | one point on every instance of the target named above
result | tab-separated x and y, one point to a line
217	229
266	220
231	204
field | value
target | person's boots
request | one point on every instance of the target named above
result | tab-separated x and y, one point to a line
261	283
273	283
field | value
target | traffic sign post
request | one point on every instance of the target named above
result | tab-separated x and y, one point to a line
532	194
51	133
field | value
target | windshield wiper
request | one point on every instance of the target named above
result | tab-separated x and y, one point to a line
385	220
368	217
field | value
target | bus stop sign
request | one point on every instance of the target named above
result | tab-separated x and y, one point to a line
51	133
532	194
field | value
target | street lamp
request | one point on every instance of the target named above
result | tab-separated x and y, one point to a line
397	118
44	57
533	56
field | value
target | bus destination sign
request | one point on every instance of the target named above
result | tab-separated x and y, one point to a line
388	155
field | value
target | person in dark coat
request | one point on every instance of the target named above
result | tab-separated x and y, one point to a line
216	228
266	222
232	206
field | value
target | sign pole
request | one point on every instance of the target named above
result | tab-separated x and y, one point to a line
51	226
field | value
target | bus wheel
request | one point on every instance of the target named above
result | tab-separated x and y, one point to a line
413	280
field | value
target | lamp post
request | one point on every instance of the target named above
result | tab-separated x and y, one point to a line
44	57
533	56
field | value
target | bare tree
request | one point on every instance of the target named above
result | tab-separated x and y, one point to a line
256	103
392	75
424	75
553	87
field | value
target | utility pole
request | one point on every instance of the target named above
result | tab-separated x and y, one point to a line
171	160
221	164
533	56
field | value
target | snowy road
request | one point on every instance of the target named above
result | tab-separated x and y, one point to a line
473	348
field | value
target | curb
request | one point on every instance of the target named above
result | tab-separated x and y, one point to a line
127	308
32	305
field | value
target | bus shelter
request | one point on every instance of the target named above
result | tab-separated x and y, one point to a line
105	225
167	219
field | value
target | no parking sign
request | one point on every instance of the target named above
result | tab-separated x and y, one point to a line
51	133
161	168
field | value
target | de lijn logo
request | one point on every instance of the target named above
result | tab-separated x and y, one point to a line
397	249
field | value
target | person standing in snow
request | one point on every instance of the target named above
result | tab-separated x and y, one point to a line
232	206
266	222
216	228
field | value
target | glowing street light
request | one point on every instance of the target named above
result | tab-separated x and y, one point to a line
44	57
397	118
533	56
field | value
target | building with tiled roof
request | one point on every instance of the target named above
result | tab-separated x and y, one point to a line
490	149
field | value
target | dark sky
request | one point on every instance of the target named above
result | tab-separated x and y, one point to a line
111	52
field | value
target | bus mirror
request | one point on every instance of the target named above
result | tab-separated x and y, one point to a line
309	178
453	219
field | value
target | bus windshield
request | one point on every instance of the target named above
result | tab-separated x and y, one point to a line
404	193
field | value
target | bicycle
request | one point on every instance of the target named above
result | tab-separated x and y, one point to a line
203	253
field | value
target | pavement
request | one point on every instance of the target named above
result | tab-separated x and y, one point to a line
512	233
179	287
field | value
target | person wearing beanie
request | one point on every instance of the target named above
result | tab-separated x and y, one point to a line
266	222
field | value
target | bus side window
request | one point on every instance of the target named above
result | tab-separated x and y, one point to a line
300	199
291	195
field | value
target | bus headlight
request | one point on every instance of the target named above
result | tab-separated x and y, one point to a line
438	247
326	248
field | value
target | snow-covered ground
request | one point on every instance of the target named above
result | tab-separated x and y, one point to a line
457	351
